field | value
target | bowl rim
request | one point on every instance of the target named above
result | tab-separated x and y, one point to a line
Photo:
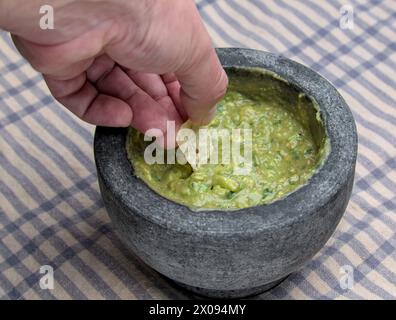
135	197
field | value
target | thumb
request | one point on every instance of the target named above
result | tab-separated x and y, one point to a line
203	81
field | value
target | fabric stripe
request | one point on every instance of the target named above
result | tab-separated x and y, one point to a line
50	206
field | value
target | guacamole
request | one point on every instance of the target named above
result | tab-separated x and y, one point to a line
288	143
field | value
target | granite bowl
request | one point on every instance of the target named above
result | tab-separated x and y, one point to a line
233	254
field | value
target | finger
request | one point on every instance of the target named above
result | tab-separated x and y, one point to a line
108	111
63	88
173	87
203	83
99	68
82	99
155	87
175	121
148	113
151	83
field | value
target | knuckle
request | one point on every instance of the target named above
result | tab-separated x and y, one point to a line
219	87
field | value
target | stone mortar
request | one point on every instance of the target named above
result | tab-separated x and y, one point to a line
234	254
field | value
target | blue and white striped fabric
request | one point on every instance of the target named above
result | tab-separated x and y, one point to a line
51	211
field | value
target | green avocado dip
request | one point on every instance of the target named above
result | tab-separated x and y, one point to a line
288	144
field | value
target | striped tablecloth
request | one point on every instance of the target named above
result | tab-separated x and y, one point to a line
51	212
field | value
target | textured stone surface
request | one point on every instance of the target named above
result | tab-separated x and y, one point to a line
235	253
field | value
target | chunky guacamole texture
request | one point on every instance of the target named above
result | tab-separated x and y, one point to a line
288	144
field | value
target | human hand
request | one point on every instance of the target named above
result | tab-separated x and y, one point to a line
122	62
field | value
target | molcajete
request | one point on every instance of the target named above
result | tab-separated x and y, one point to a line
241	252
